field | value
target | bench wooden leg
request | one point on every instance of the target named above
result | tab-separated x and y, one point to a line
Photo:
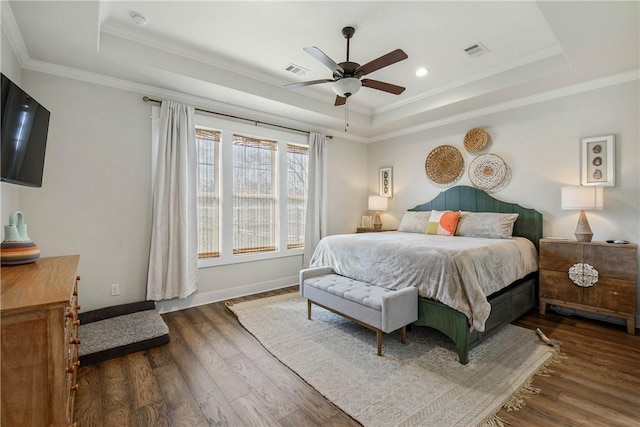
309	309
379	335
403	335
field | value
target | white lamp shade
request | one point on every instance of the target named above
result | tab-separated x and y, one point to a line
347	86
377	203
582	197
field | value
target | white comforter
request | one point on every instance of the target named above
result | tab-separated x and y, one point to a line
457	271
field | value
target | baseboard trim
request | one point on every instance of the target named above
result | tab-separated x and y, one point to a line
202	298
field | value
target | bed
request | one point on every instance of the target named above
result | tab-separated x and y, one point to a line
473	319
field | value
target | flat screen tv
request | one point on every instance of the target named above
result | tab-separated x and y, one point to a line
24	129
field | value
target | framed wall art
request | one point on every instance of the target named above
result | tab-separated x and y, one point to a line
366	221
386	182
597	166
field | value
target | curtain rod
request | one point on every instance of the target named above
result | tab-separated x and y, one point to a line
257	122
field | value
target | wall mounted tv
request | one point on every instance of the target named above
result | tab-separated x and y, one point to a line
25	124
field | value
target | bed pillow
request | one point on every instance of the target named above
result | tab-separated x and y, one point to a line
414	222
442	223
489	225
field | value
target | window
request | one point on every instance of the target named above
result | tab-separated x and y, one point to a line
252	193
208	145
297	167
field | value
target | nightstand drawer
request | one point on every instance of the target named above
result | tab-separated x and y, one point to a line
558	256
612	294
557	285
612	261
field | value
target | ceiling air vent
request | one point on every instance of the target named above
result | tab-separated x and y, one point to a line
296	69
477	49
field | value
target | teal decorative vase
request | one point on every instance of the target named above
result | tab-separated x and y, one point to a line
17	248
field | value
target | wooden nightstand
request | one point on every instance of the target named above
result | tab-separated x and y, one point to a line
612	292
373	230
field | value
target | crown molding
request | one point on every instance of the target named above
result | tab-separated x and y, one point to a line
184	51
12	31
517	103
205	103
196	101
205	58
529	59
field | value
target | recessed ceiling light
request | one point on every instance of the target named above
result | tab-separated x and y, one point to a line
139	20
421	72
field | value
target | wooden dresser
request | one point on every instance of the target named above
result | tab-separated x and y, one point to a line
565	262
39	342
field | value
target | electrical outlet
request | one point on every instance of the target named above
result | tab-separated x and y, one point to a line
115	289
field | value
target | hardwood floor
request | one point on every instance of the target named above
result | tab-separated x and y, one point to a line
213	372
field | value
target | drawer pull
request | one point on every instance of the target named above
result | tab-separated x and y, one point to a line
75	387
78	307
76	322
75	341
583	275
70	314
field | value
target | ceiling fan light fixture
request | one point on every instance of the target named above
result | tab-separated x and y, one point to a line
347	86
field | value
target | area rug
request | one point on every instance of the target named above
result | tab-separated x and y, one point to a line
417	384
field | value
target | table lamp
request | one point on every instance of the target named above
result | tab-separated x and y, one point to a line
583	198
377	203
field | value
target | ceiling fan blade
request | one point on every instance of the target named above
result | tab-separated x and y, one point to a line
385	87
322	57
309	83
340	100
385	60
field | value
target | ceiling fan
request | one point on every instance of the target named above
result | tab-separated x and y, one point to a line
347	75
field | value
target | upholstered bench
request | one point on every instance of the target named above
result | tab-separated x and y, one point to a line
377	308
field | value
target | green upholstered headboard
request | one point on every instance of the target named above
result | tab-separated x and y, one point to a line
465	198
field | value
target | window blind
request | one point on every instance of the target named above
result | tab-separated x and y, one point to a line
208	144
254	194
297	166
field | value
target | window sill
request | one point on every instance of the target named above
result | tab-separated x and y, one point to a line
250	257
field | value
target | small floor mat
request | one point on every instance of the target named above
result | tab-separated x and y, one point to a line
119	335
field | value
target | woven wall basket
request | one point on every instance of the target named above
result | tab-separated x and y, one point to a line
475	140
487	171
444	164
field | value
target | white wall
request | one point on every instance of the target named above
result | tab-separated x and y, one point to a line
541	145
10	192
347	184
96	196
